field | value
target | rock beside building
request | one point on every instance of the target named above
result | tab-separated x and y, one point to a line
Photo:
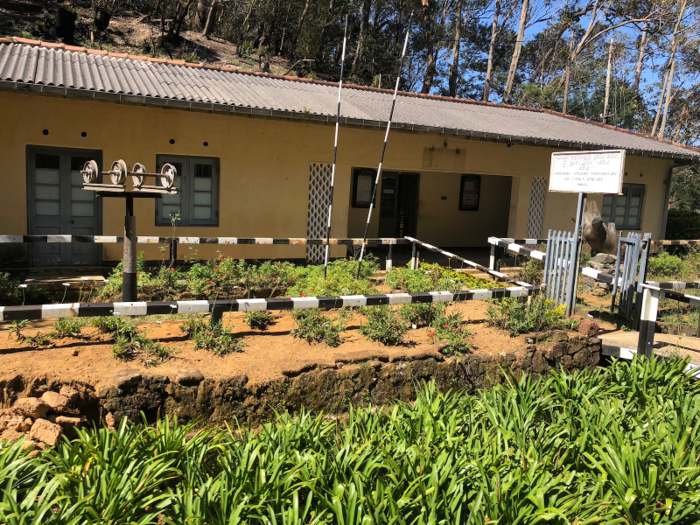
604	263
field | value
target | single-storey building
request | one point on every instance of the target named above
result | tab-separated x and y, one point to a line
253	153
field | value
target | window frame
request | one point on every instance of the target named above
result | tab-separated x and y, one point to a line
187	191
613	206
356	174
471	178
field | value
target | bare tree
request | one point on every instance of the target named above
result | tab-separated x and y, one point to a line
492	47
454	67
516	52
672	68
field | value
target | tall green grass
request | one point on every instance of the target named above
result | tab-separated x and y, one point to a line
615	446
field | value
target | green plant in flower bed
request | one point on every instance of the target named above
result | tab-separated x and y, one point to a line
383	325
211	335
615	445
432	277
448	327
341	279
420	314
131	343
67	327
518	317
316	327
258	320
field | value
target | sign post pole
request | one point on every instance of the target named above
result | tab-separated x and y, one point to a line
572	291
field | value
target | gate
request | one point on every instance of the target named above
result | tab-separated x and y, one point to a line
633	251
560	268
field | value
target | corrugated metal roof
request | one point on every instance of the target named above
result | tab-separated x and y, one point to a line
153	80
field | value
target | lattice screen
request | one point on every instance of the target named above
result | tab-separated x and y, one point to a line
535	219
319	195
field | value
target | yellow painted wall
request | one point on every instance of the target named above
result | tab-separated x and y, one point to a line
264	172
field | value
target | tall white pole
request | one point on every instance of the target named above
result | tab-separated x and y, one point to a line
386	137
335	152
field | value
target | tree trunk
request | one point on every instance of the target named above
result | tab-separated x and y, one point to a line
300	26
489	66
567	75
321	51
364	21
211	18
640	61
200	16
431	65
661	104
672	70
454	67
607	84
244	31
516	52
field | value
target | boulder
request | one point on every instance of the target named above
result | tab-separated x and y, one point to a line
71	393
588	328
68	424
126	377
31	407
57	402
189	376
11	435
45	431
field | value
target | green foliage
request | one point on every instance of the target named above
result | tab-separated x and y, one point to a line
316	327
259	320
666	265
212	336
40	339
683	224
67	327
131	343
192	58
614	445
448	327
341	279
517	317
420	314
685	196
383	325
431	277
532	271
17	327
9	289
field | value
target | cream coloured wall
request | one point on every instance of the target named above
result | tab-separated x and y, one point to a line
264	173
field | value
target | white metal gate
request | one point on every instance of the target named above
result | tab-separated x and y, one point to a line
560	268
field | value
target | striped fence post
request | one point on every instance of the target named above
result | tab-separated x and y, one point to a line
647	322
390	257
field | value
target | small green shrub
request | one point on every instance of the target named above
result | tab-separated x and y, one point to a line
259	320
17	327
532	271
130	342
420	314
448	328
212	336
40	339
67	327
192	58
666	265
514	315
383	325
314	326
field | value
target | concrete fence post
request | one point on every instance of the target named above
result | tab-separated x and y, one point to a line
647	322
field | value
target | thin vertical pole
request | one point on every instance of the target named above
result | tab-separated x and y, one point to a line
386	137
390	256
335	152
414	257
647	323
607	84
129	277
571	295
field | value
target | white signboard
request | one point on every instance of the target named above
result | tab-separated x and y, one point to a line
587	171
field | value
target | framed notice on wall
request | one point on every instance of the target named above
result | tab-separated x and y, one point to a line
587	172
469	190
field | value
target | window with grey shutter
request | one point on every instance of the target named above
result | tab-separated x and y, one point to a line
625	210
197	202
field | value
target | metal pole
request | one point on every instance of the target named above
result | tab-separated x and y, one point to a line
647	323
386	136
335	152
571	295
129	278
390	257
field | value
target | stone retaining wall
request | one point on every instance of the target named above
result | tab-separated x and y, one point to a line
328	386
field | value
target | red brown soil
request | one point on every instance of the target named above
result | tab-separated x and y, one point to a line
90	358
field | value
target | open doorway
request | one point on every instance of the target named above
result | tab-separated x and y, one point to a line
398	204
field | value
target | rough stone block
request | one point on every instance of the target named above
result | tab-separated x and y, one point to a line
45	431
189	376
31	407
56	401
71	393
126	377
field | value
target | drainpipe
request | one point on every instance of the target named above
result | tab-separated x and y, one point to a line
667	198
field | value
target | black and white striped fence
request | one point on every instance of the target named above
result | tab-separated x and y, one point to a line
497	275
675	285
107	239
513	246
133	309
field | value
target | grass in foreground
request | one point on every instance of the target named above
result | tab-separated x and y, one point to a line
615	446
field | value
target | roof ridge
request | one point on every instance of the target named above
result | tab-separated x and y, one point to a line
81	49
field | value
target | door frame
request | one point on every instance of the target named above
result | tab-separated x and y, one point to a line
31	208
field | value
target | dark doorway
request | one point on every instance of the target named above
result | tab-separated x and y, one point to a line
398	206
58	205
